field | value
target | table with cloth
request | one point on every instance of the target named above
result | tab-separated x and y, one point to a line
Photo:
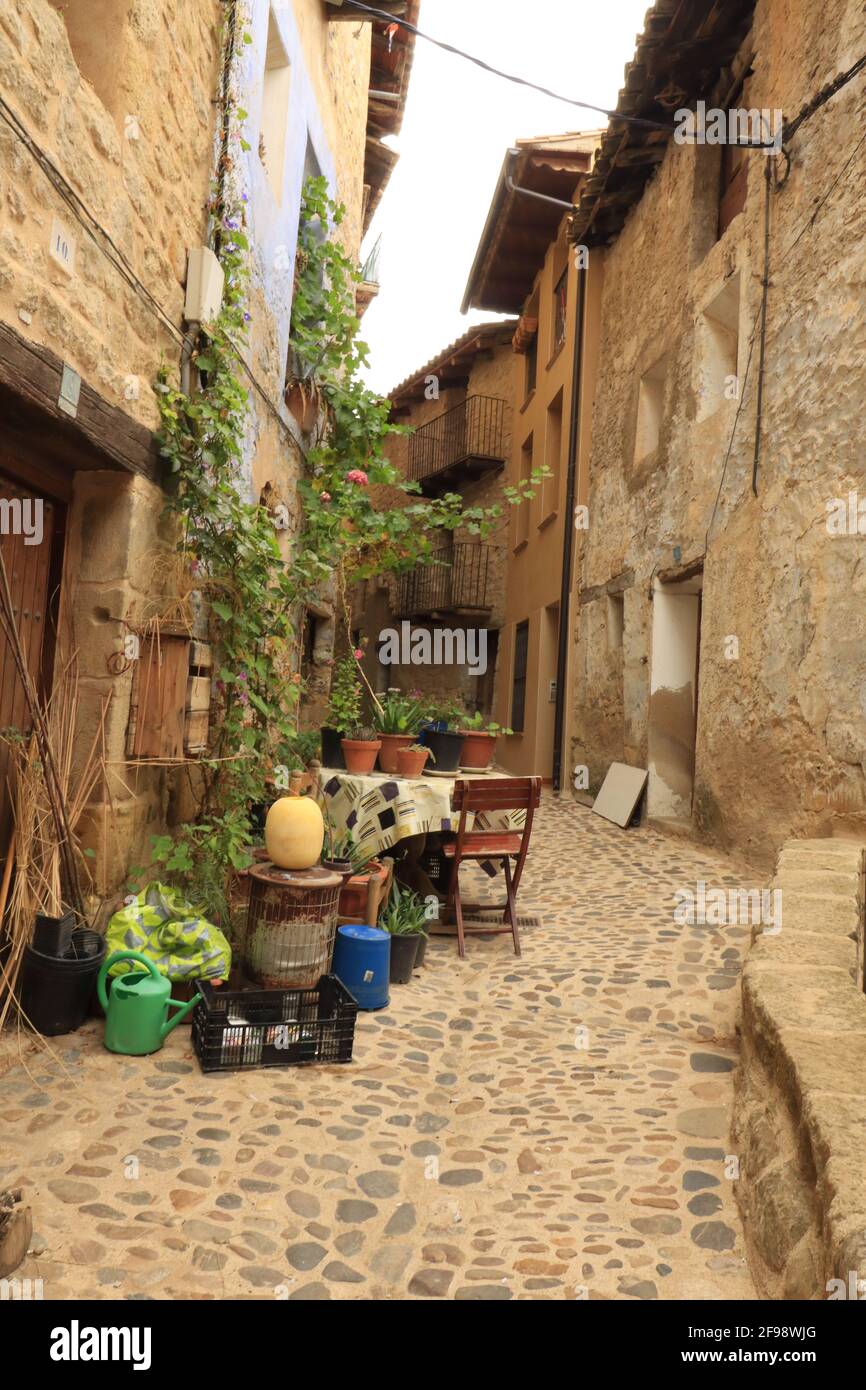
382	810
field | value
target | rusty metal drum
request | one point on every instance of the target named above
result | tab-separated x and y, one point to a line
291	927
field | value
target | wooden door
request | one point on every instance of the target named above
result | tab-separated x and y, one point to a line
33	573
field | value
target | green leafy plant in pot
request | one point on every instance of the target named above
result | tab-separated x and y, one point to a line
344	710
405	919
441	735
479	741
397	718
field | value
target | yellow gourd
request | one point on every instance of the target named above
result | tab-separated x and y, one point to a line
294	832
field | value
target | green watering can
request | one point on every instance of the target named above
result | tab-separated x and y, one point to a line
136	1011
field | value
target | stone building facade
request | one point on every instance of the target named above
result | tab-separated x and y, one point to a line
721	631
108	154
458	411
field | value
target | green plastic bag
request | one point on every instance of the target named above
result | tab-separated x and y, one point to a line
163	926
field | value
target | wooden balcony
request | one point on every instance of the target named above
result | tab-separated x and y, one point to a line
459	445
455	586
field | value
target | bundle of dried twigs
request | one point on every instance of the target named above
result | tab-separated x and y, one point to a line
40	876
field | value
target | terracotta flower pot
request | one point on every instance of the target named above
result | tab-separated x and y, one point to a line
411	762
304	405
391	745
353	894
478	749
360	755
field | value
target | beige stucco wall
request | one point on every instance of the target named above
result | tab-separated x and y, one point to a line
781	726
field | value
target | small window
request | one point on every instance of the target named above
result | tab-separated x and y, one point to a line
718	343
560	310
96	31
526	466
275	110
518	686
531	367
734	172
552	457
615	621
650	408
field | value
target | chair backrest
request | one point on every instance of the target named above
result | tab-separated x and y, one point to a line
497	794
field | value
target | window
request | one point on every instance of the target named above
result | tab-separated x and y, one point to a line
560	310
531	366
95	29
518	685
734	171
275	110
522	522
552	458
718	344
615	621
649	410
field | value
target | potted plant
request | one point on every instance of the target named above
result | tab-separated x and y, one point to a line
339	850
441	735
344	710
356	903
405	919
479	742
360	750
397	718
411	761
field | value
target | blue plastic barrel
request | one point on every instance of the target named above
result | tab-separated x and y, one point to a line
362	961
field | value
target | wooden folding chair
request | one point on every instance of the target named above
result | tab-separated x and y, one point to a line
477	797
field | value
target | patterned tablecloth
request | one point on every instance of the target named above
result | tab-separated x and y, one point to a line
381	810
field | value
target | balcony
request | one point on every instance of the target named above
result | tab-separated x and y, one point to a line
455	586
461	444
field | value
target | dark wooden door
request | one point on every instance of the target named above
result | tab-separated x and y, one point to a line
33	574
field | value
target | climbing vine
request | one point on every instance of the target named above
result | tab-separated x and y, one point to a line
254	595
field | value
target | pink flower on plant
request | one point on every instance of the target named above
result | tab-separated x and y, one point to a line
358	654
356	475
324	497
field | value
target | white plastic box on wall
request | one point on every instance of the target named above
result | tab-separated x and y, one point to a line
205	279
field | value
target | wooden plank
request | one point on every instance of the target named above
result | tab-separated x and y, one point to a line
198	694
34	373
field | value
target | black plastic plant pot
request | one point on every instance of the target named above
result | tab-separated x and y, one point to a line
446	748
52	935
423	938
404	951
55	992
332	751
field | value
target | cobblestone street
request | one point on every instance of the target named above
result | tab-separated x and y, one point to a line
480	1146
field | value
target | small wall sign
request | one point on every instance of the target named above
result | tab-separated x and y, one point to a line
62	246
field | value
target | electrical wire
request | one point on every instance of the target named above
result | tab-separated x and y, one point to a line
508	76
109	249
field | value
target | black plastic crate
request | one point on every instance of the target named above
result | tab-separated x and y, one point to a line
234	1029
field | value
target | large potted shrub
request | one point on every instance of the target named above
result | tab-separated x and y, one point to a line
405	919
397	719
344	710
479	742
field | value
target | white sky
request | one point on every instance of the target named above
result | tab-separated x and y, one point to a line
459	123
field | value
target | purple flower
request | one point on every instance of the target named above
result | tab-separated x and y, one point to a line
248	318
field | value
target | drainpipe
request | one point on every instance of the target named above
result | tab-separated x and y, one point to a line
568	538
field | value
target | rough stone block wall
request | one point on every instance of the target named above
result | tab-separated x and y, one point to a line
781	728
142	167
800	1103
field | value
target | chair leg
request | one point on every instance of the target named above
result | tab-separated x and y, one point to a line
510	914
458	913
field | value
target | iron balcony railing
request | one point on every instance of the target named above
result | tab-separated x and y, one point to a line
455	583
475	430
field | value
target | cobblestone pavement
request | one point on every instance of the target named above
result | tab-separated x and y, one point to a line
548	1127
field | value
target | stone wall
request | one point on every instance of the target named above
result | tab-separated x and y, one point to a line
800	1098
781	723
